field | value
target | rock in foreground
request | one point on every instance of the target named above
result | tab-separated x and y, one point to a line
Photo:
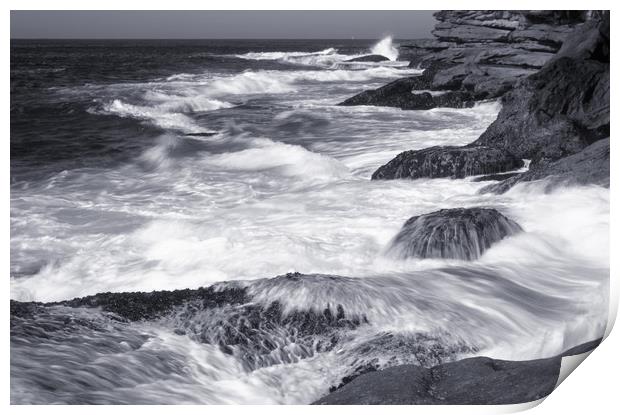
449	161
452	233
474	381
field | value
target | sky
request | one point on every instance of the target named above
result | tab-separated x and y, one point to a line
204	24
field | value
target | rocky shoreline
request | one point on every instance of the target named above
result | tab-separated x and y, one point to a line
254	333
551	72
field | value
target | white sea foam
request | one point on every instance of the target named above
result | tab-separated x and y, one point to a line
170	104
386	48
290	160
160	117
245	206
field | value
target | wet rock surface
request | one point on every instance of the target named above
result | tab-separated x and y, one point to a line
452	233
474	381
589	166
506	46
369	58
454	162
401	94
223	315
480	53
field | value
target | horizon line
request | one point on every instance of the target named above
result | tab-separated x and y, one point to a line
209	38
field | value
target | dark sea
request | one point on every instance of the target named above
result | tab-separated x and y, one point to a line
164	164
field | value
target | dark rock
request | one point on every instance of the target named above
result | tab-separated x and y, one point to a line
495	177
483	81
200	134
454	162
589	41
452	233
492	41
583	348
369	58
542	34
474	381
151	305
564	107
224	315
499	19
399	93
589	166
469	33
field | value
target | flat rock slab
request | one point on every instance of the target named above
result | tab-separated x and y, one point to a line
449	161
474	381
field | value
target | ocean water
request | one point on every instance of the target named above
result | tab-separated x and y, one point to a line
151	165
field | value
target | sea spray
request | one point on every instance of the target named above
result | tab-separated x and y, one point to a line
386	48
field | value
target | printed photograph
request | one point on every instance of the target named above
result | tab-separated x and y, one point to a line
392	207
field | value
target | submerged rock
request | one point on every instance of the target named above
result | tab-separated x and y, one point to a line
369	58
589	166
259	333
452	234
449	161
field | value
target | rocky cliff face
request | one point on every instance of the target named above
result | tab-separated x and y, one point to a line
551	69
491	50
478	55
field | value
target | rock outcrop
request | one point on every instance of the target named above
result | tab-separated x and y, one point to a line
452	234
454	162
369	58
223	315
492	47
589	166
399	94
478	55
474	381
564	107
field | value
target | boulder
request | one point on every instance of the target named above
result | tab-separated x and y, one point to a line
589	166
369	58
449	161
452	234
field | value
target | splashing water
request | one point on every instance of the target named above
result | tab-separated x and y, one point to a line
282	186
385	48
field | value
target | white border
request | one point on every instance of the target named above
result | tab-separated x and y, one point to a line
593	389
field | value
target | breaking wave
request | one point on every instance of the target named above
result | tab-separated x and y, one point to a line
386	48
